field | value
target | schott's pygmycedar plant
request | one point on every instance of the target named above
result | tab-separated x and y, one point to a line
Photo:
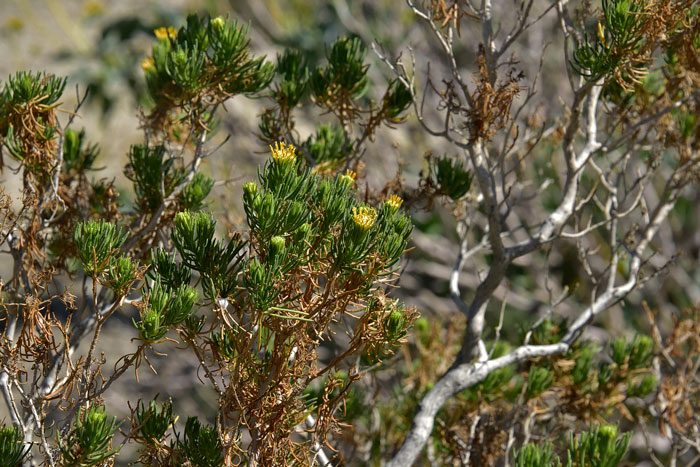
254	306
561	212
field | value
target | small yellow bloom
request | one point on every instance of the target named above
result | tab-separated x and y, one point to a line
364	217
283	152
147	63
164	33
394	202
349	177
601	34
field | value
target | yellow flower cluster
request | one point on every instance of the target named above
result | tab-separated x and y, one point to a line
164	33
364	217
283	152
147	64
394	202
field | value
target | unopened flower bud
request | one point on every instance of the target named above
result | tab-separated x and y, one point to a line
395	325
251	188
609	431
218	22
267	209
277	247
304	230
190	296
256	273
183	221
201	221
250	191
150	325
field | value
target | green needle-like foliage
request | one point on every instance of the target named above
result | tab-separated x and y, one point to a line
224	343
89	443
153	422
597	447
290	314
26	87
618	351
451	178
294	78
218	262
181	304
617	38
640	351
605	374
532	455
329	144
539	379
166	308
122	272
260	282
193	194
643	388
344	78
201	445
283	176
78	156
97	241
637	354
584	362
622	21
204	58
166	270
395	325
396	101
154	174
283	207
12	448
28	126
150	327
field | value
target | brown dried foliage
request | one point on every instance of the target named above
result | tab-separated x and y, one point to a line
492	101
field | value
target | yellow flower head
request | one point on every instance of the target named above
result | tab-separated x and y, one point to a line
349	177
283	152
394	202
147	64
164	33
364	217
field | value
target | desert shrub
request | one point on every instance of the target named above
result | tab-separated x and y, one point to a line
559	214
253	306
